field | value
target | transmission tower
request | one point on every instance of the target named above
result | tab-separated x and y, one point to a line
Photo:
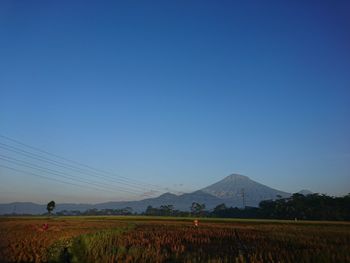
243	197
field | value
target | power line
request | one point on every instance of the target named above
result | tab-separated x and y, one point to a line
52	170
63	165
61	174
80	164
45	177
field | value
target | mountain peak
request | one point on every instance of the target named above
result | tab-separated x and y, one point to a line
235	186
236	176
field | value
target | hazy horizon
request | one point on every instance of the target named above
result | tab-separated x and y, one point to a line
172	96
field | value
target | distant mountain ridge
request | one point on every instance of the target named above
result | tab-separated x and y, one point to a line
234	190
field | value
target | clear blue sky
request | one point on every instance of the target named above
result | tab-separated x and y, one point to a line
178	93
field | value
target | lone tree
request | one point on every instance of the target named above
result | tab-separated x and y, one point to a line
50	206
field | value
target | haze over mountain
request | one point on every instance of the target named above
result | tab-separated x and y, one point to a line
234	190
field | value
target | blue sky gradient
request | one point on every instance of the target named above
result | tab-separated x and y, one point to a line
178	93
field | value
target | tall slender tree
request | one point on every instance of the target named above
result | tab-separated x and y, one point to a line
50	206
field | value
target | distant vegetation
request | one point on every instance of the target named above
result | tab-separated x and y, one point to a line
94	212
311	207
298	206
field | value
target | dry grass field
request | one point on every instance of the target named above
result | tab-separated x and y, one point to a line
157	239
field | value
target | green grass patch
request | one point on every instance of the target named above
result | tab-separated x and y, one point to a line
92	247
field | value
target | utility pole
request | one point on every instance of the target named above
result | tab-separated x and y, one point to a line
243	197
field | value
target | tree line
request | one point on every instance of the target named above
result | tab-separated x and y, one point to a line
309	207
96	212
298	206
196	209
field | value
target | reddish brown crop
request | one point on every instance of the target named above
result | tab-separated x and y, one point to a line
28	240
134	239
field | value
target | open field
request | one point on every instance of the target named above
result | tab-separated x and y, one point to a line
164	239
